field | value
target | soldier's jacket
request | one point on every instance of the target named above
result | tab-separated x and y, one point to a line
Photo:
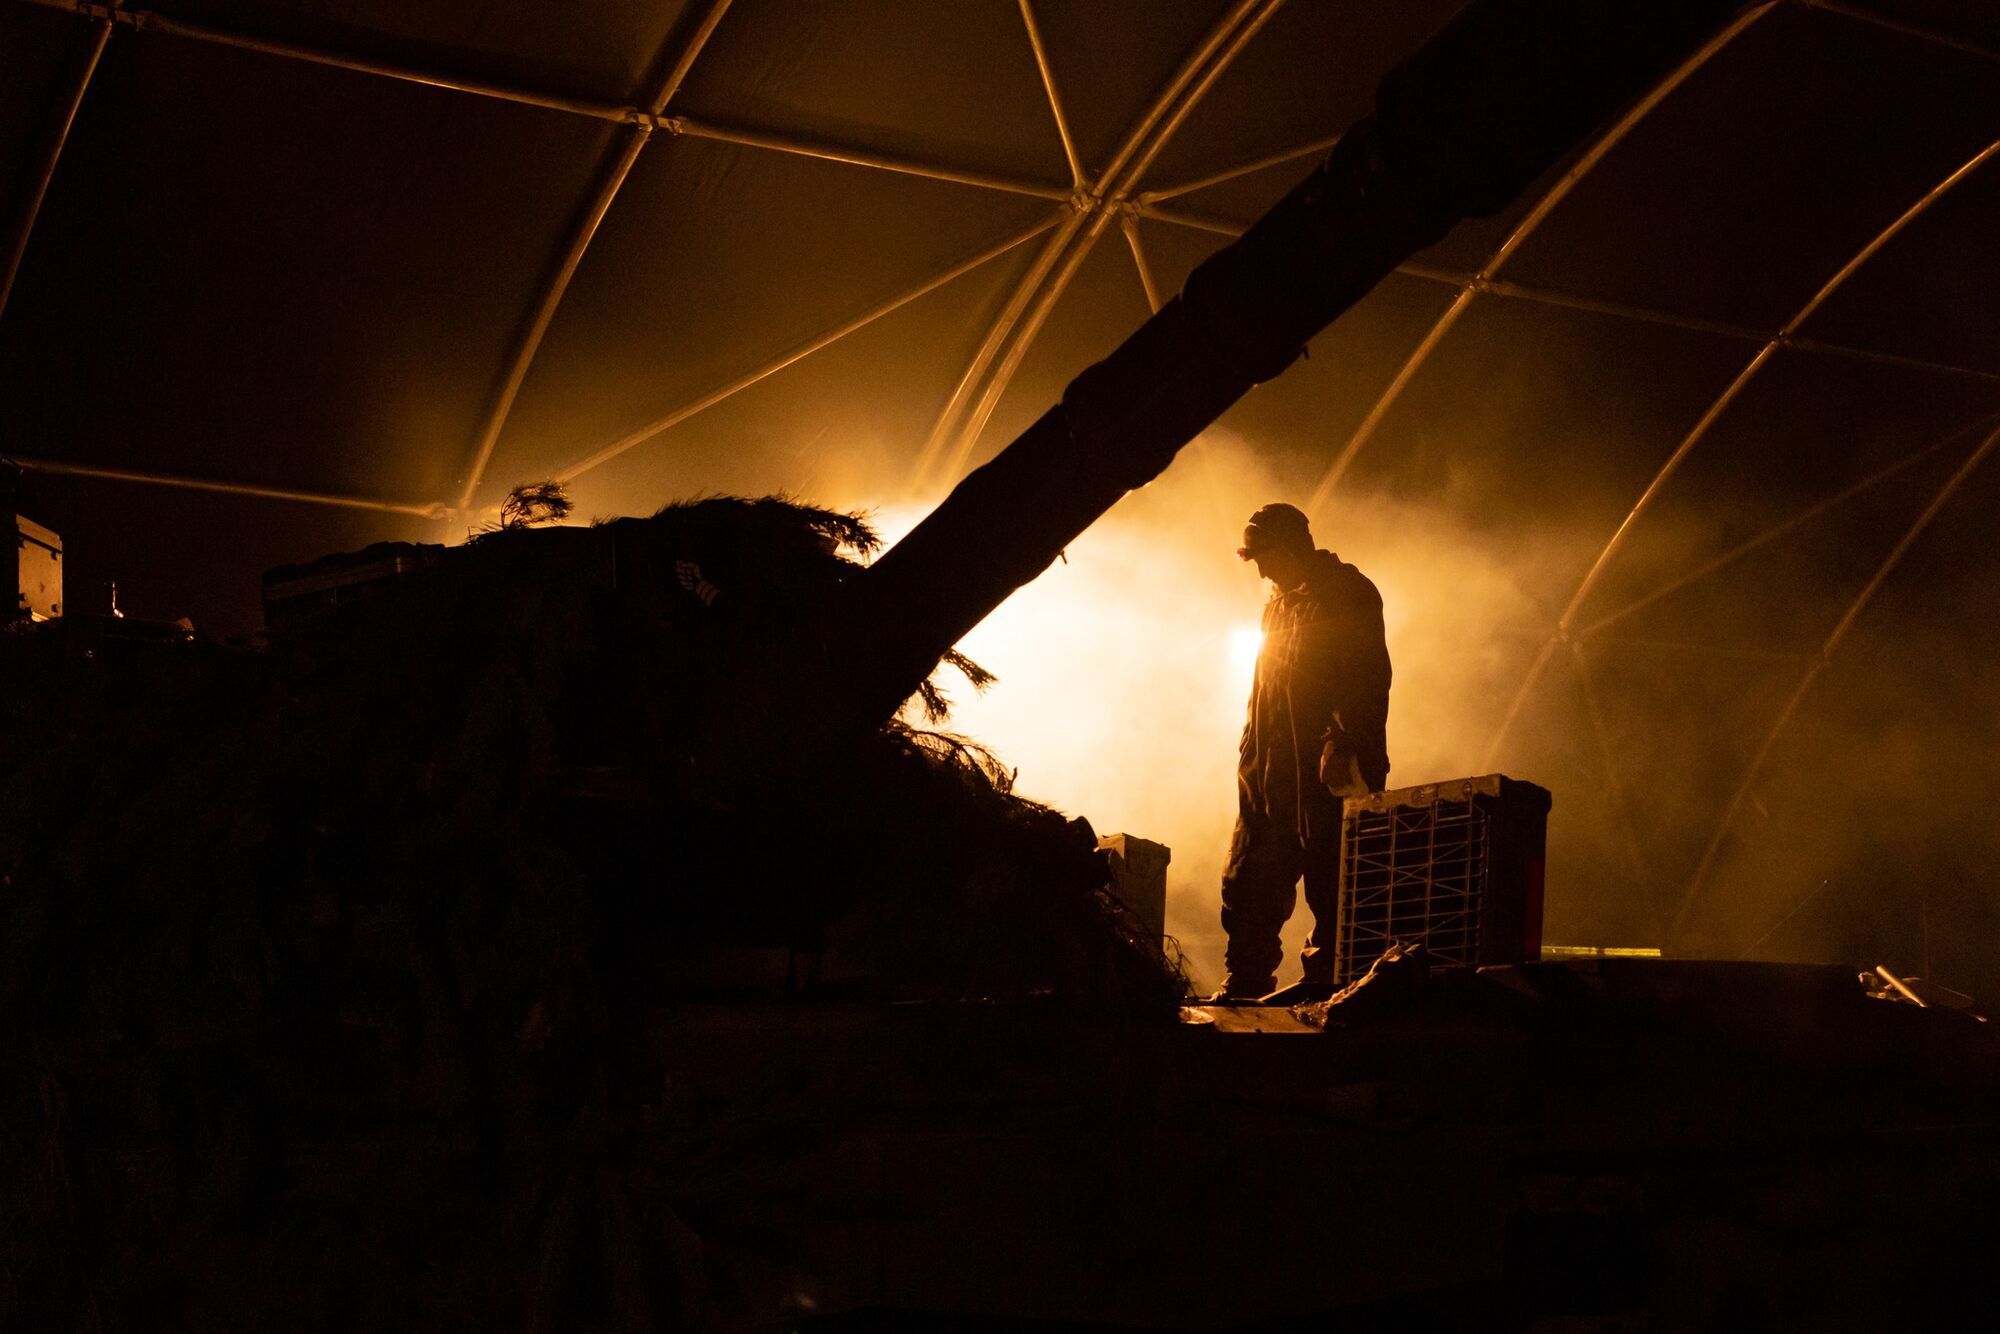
1322	674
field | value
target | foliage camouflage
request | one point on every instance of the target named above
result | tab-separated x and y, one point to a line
331	958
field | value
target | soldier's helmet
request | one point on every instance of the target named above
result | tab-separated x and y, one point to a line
1275	527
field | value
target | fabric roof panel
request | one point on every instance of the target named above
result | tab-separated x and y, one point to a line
1310	72
1734	202
1784	595
595	49
1684	721
252	314
43	52
1932	291
1623	836
1110	62
716	259
1879	789
1498	432
953	84
1973	21
1808	428
833	428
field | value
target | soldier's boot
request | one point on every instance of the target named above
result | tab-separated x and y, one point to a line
1305	991
1242	990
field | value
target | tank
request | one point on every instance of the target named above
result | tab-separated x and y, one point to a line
574	931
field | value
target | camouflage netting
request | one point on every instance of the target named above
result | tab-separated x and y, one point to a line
331	960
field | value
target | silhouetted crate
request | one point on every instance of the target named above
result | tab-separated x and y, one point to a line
1457	865
37	572
1139	878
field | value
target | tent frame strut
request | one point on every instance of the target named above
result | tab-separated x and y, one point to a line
1316	148
1935	36
433	510
51	156
978	391
591	217
692	127
1544	296
1607	756
1129	224
1047	68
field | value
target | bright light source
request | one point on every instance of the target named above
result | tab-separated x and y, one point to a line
1244	641
1124	670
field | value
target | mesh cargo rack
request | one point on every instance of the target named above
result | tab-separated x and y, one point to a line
1457	865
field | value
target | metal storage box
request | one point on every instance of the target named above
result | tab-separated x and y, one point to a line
1456	865
1139	878
38	572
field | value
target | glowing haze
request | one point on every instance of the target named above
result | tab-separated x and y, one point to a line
1124	669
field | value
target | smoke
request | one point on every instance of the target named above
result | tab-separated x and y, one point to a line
1868	837
1125	668
1123	674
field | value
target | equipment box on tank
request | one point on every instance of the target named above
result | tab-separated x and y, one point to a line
38	571
1456	865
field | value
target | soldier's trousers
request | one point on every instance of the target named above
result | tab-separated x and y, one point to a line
1268	856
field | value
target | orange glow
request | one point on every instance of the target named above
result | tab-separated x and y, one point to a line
1243	646
1123	671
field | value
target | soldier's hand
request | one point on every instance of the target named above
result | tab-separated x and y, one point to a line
1340	767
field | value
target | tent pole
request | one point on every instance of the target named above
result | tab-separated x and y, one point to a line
1316	148
930	465
148	21
1934	36
1199	222
1077	181
1021	319
928	459
1543	296
1567	620
1709	650
1130	226
1619	310
692	128
59	468
45	170
592	216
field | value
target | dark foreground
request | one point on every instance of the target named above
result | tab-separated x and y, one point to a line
408	973
1631	1144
